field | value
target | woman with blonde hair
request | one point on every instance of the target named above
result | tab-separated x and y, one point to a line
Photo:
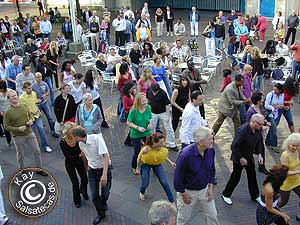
52	57
145	81
258	69
159	20
88	115
139	122
290	159
74	162
279	33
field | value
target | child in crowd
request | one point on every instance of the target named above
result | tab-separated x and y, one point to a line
103	30
227	79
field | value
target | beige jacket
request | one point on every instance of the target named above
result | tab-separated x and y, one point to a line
231	99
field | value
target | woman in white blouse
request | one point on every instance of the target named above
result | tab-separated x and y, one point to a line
4	62
78	88
278	18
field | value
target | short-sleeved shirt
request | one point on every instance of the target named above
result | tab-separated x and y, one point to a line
40	89
158	102
94	149
77	92
154	156
160	72
140	119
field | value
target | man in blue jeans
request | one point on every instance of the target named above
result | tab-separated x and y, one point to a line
44	68
29	99
99	173
42	91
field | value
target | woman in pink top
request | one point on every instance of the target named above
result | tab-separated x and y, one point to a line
145	81
262	26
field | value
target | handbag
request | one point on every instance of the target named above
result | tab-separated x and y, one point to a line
57	126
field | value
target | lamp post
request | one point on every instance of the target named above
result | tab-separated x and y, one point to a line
72	15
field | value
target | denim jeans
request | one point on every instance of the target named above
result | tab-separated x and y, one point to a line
271	139
158	170
49	82
100	201
137	144
295	69
38	126
17	39
258	82
219	43
46	109
167	84
287	115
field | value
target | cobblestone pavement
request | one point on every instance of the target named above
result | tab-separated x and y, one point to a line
124	205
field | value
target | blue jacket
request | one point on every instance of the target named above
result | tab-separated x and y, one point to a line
191	15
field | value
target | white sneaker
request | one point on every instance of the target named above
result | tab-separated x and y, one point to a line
258	199
48	149
171	34
168	34
227	200
142	197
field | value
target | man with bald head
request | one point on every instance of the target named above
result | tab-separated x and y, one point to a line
248	140
292	23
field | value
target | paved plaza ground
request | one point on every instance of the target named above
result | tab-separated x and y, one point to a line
124	205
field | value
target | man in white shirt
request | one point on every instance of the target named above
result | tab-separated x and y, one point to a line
282	49
99	172
112	59
128	12
179	51
46	28
119	24
21	78
191	119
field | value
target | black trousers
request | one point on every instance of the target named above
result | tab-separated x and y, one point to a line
235	179
289	32
169	25
120	38
100	201
99	103
72	166
3	131
202	111
175	120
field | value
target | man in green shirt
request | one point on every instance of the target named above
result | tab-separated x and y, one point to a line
17	121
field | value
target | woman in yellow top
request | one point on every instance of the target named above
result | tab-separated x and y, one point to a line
152	155
279	33
290	158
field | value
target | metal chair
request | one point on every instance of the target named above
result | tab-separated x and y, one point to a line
175	81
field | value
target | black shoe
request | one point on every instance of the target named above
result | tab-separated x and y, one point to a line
263	169
55	135
298	217
98	219
42	173
85	196
175	149
128	143
77	205
104	124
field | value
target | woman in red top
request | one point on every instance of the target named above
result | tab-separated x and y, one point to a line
262	26
290	90
125	76
145	81
129	92
227	79
45	45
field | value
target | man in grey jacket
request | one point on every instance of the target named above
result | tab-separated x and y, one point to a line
292	23
229	104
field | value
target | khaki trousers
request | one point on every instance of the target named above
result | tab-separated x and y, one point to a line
208	209
221	117
28	142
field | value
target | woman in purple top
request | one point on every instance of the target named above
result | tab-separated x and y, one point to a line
258	107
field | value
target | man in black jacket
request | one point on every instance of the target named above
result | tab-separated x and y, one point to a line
247	141
44	68
219	33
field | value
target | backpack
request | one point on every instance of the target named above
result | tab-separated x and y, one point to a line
277	74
